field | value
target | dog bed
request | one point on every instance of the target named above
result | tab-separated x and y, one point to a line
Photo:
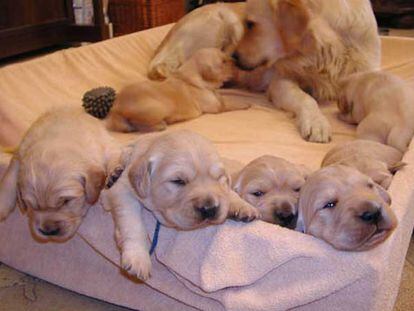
234	266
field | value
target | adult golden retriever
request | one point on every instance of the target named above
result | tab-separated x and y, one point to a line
310	44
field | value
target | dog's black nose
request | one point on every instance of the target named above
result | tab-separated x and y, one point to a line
207	209
286	219
236	57
372	217
49	231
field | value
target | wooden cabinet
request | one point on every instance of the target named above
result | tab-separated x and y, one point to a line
27	25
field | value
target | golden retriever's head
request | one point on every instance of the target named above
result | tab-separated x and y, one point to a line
272	185
181	179
209	68
273	29
54	192
346	209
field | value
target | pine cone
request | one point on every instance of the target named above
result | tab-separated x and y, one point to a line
99	101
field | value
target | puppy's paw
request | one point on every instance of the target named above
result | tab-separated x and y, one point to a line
315	128
137	263
245	212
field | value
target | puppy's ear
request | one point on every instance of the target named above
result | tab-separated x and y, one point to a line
8	189
236	182
383	193
94	182
140	176
293	19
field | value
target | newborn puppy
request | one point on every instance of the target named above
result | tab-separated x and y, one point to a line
378	161
179	177
272	185
185	95
58	172
345	208
382	105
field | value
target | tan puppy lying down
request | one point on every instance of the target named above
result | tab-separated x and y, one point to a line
272	185
382	105
345	208
179	177
378	161
57	172
185	95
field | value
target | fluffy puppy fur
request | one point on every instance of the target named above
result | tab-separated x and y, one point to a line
345	208
180	178
57	172
378	161
311	44
272	185
188	93
382	105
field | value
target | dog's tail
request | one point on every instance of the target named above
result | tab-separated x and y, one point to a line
98	102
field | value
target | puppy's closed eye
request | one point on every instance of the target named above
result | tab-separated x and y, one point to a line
179	182
65	200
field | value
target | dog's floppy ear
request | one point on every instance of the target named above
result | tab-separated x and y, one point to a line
236	182
140	175
8	189
94	182
293	20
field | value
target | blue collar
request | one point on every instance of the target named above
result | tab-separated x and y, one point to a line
155	237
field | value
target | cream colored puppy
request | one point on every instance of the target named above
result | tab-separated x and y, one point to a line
180	178
220	26
378	161
345	208
272	185
185	95
382	105
311	44
217	26
57	172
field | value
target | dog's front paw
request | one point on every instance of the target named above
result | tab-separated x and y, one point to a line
245	212
315	128
137	263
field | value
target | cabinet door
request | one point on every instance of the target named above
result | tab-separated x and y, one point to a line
18	13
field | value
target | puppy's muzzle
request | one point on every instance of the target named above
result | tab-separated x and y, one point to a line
284	214
207	209
50	229
371	213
